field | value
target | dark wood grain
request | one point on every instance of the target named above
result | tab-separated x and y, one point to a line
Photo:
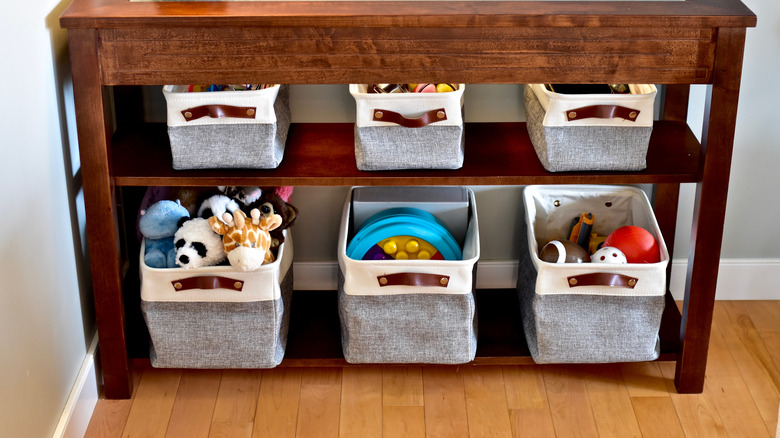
100	203
324	154
709	210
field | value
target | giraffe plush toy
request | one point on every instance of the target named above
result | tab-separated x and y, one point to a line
246	241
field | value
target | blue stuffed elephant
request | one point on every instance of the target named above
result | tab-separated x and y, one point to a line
158	224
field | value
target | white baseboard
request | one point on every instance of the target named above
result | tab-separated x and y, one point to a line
82	399
738	279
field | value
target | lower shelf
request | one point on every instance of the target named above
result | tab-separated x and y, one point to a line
314	336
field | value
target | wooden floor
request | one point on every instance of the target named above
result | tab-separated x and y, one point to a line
740	399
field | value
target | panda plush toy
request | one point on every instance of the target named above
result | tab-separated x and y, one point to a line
197	244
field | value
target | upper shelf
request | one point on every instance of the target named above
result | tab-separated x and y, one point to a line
323	154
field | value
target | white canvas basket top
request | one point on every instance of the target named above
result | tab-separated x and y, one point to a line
261	284
361	276
410	105
556	106
178	99
549	212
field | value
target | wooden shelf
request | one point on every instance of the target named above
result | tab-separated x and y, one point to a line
323	154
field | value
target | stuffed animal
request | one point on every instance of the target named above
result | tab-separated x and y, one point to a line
197	244
217	206
244	195
246	242
158	224
271	202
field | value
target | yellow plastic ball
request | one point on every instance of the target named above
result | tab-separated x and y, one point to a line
390	247
443	88
424	255
401	255
412	246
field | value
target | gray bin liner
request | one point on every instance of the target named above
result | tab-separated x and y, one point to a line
396	147
241	145
576	148
408	328
219	334
588	326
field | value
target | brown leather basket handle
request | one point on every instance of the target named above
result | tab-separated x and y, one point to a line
207	282
602	279
413	279
602	112
219	111
432	116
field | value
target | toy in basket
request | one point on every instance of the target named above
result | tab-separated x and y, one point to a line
408	130
415	310
579	312
227	129
590	131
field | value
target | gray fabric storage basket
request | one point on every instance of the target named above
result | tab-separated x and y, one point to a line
381	144
226	141
219	328
403	323
596	324
588	144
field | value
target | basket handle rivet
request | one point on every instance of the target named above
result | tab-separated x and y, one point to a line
188	115
573	281
250	112
379	114
177	285
383	281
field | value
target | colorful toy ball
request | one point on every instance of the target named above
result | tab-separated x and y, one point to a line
425	88
637	244
563	251
608	254
444	88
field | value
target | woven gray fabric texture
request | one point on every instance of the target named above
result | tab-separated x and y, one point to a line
575	328
408	328
573	148
396	147
219	334
244	145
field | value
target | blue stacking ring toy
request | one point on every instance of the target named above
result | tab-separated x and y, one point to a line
404	221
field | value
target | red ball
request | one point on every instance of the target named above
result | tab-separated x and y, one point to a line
637	244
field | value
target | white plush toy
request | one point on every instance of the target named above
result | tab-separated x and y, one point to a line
217	205
198	245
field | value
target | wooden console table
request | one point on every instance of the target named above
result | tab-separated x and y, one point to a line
116	43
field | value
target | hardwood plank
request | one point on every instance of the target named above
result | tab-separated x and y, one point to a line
729	393
402	386
277	406
657	417
610	402
403	422
110	416
194	404
486	403
318	410
644	379
697	414
234	412
532	422
751	357
445	403
525	388
765	315
361	402
153	403
569	403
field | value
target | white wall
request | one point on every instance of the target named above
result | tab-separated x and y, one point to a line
43	329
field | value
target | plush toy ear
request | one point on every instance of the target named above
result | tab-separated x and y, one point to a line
270	223
217	225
